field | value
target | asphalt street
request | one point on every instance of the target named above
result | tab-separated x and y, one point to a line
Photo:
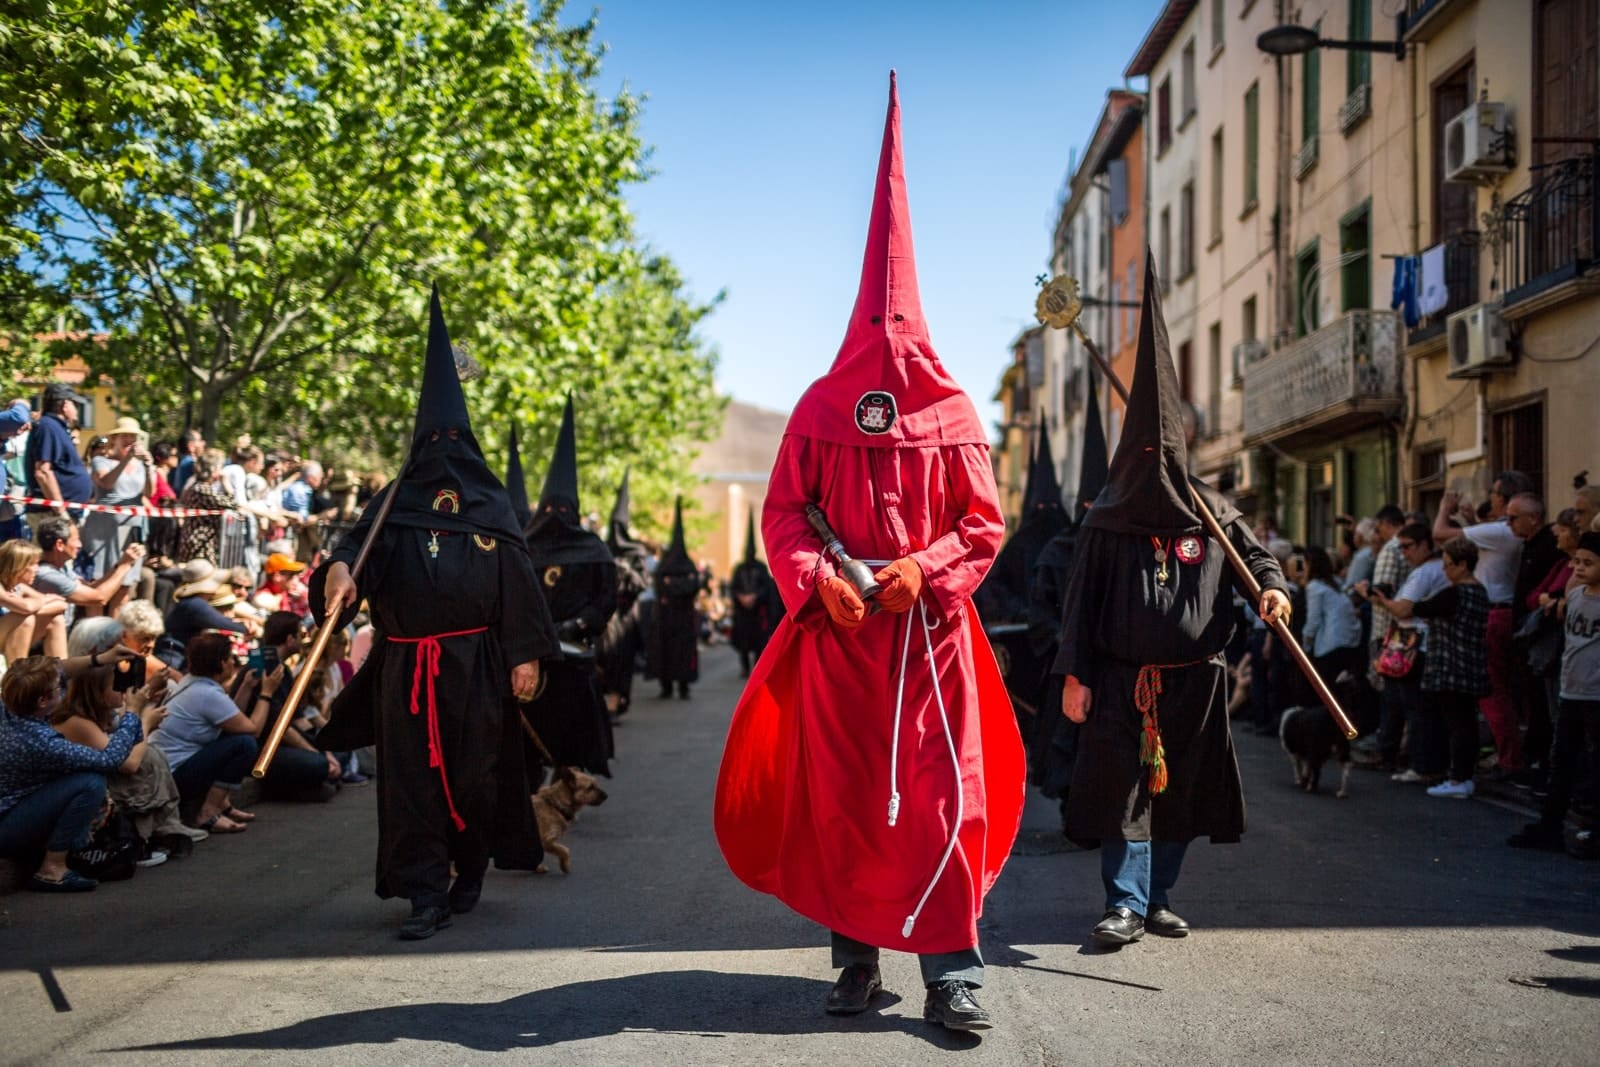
1385	928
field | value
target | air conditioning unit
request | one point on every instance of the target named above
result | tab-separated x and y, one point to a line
1248	477
1478	143
1477	342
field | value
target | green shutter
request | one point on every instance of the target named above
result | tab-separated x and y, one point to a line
1358	65
1251	136
1310	92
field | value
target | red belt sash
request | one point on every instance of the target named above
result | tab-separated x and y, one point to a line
1146	694
428	661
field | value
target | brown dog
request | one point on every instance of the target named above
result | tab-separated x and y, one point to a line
556	805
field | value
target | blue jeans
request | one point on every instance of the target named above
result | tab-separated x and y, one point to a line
223	761
1138	875
55	817
963	966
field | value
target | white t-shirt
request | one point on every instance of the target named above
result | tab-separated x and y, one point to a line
196	710
1499	555
1423	582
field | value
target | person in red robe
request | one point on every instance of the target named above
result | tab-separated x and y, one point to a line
873	777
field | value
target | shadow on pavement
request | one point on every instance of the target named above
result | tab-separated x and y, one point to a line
693	1004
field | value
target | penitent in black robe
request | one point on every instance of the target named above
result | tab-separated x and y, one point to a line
474	582
1053	740
580	585
1118	618
675	629
619	646
757	609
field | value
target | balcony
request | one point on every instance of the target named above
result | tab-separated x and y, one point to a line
1550	232
1344	377
1460	277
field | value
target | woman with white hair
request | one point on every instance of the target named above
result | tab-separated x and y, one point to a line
143	786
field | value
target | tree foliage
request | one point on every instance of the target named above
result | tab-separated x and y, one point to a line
250	199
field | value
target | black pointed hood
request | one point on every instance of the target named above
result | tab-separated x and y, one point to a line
561	483
1147	487
750	538
445	483
675	560
556	535
1044	490
1093	466
516	483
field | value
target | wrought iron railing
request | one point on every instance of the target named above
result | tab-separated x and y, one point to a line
1355	358
1550	232
1461	251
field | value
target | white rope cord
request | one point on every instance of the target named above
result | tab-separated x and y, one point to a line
928	626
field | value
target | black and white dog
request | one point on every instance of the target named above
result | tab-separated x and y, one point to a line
1309	736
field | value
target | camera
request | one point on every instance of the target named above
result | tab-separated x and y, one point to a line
127	674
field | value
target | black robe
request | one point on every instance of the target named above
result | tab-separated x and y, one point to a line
675	628
580	585
1053	740
619	646
474	582
754	622
1118	618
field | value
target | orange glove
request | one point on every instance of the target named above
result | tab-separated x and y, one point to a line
844	604
902	584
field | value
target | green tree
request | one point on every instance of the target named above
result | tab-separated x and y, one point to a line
250	199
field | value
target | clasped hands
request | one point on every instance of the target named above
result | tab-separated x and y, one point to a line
900	585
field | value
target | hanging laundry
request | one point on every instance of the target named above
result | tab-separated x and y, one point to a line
1433	290
1405	290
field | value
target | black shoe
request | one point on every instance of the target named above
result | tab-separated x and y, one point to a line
683	692
1539	836
1120	926
1163	922
464	894
666	693
426	920
853	991
950	1004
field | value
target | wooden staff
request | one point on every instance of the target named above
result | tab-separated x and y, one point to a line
310	661
1059	306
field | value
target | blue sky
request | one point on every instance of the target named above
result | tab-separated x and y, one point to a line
766	120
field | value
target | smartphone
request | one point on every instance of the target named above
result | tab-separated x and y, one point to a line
263	659
136	536
127	674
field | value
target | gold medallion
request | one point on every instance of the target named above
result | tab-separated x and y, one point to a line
552	575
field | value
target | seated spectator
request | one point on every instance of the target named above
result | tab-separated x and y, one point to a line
143	784
1332	627
27	616
191	611
51	790
142	630
1455	674
207	737
300	770
60	541
200	537
283	582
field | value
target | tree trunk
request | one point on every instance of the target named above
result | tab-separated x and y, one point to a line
211	394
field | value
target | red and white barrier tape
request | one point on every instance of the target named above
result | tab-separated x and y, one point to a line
122	509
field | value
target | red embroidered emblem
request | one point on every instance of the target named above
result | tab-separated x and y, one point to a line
448	501
1190	549
875	412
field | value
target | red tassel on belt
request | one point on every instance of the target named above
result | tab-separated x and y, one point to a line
428	655
1146	694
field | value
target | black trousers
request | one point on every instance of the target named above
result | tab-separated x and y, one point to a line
1460	714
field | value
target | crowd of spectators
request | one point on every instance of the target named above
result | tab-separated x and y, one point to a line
147	655
1467	642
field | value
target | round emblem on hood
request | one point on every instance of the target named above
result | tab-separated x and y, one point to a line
875	412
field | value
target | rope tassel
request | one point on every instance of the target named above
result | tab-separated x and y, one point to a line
1152	754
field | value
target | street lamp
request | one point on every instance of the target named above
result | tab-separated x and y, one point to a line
1292	40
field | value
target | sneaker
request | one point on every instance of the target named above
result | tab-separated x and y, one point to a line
1456	790
1408	775
153	857
355	778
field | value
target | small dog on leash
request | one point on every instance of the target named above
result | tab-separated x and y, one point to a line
557	804
1309	736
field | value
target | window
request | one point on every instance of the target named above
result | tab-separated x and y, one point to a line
1427	477
1214	379
1164	115
1117	177
1355	261
1252	114
1218	19
1186	230
1517	441
1247	332
1310	90
1455	205
1358	65
1164	246
1306	284
1186	372
1216	186
1190	98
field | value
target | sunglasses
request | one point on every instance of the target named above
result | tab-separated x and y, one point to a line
1407	544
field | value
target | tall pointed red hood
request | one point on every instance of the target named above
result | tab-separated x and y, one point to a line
887	388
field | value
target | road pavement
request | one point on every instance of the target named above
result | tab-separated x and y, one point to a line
1385	928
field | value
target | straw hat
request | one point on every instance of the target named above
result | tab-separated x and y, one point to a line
199	579
223	598
127	424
